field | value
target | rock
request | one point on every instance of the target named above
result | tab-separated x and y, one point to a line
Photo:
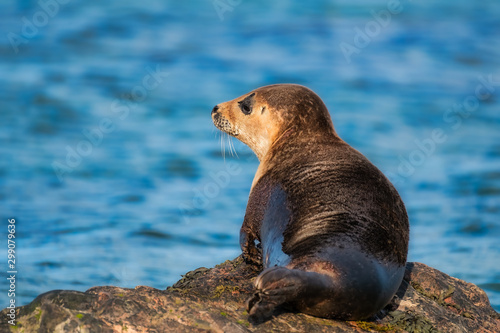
213	300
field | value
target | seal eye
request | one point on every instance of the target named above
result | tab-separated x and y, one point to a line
246	104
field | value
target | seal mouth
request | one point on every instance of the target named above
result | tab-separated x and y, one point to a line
223	124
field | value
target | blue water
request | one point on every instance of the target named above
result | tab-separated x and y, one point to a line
142	191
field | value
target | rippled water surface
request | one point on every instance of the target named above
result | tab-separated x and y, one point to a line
115	175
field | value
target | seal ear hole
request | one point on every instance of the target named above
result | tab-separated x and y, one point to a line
247	104
263	109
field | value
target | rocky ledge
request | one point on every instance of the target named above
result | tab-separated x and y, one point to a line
213	300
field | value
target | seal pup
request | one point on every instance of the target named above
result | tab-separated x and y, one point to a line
328	227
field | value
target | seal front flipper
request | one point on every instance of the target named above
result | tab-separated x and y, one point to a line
252	253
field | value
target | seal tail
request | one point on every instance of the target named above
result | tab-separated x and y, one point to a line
280	285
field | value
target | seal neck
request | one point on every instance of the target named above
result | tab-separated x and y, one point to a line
282	137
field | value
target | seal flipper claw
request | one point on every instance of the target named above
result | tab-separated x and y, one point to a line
261	306
275	286
251	301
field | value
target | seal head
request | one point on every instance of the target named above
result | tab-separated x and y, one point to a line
262	116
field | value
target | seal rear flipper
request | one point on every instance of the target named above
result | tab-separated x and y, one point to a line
279	285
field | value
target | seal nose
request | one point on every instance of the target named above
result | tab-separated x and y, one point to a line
214	110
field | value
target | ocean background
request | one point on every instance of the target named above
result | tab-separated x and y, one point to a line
115	174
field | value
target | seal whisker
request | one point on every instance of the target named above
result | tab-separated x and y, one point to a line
228	143
223	147
232	150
